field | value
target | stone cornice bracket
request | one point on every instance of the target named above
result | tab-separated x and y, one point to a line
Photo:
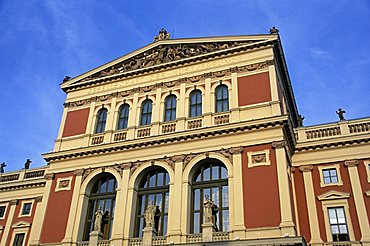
351	163
306	168
14	202
49	176
78	172
278	144
38	199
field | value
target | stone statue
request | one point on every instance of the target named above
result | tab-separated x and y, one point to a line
163	34
340	114
27	164
98	220
2	165
209	211
274	30
150	214
300	120
66	78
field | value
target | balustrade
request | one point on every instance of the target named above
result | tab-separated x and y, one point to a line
193	124
143	132
168	128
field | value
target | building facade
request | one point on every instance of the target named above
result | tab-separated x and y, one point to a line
179	120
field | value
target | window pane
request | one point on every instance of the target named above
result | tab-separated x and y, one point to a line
325	173
141	226
333	172
215	172
196	222
225	220
332	216
207	174
151	197
103	187
327	180
225	196
142	203
160	179
158	201
334	229
108	203
343	229
152	181
334	180
165	219
206	192
223	173
111	185
166	203
18	240
167	179
2	211
216	196
197	199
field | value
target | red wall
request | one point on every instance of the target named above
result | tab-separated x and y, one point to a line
346	187
261	194
254	89
57	212
16	219
3	221
300	191
76	122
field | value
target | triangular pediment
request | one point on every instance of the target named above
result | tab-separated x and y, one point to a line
21	224
331	195
164	53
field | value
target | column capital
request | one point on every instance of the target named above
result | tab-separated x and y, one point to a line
178	158
236	150
38	199
78	172
351	163
49	176
14	202
278	144
306	168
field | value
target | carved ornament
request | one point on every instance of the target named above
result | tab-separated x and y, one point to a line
49	176
14	202
38	199
351	163
278	144
78	172
307	168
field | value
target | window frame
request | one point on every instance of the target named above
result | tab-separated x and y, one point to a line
123	118
172	109
20	227
100	124
5	205
22	207
198	105
222	100
338	224
323	168
148	115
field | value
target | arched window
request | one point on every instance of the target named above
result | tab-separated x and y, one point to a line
153	187
210	179
170	108
101	120
146	113
195	103
103	196
123	116
222	98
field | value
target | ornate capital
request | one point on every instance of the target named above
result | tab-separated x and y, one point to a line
293	169
78	172
307	168
49	176
38	199
351	163
14	202
278	144
178	158
236	150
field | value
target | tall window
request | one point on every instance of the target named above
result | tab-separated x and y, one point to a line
146	113
153	187
338	224
222	98
195	103
210	179
170	108
101	120
18	239
123	116
2	211
102	196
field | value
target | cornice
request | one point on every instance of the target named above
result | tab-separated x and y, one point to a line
189	135
17	186
170	84
204	57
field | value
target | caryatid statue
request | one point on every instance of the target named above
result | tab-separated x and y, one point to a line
98	219
209	211
150	214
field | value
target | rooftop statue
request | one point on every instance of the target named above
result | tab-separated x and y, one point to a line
163	34
2	165
340	114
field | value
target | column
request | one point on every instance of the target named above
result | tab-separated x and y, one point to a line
181	108
120	209
5	234
73	210
239	227
132	117
311	205
175	205
207	119
234	100
286	211
359	201
40	211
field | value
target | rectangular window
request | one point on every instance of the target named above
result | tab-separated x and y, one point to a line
338	224
330	176
18	239
2	211
26	210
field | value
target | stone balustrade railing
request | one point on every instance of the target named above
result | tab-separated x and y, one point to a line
22	175
333	130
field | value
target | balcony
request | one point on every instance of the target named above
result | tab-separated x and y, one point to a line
333	130
22	175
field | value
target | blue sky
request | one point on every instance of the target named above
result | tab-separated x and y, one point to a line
326	45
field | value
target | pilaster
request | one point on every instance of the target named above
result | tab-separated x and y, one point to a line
274	90
181	108
5	234
234	99
359	201
132	117
311	205
109	128
207	113
287	225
